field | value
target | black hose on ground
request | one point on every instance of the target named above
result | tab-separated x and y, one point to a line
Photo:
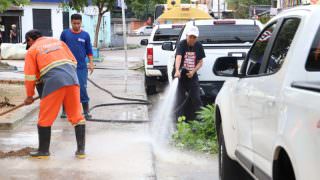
118	121
118	97
132	101
117	104
119	69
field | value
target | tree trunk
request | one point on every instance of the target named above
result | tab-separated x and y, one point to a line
96	36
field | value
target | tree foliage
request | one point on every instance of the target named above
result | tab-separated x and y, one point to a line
143	9
102	5
242	6
5	4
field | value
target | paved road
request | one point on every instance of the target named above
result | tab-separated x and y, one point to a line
116	151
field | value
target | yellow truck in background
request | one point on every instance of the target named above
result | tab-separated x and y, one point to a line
174	12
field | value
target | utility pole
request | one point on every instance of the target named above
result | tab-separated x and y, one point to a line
219	10
124	28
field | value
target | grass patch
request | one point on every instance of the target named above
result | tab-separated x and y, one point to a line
199	135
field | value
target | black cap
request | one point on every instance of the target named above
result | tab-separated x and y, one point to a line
33	34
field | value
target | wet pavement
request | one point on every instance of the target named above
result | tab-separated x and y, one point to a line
115	151
175	164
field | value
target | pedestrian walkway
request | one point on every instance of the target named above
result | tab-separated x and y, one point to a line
114	150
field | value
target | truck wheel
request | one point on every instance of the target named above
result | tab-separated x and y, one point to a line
228	168
151	86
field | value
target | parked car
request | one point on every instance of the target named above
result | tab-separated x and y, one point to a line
267	116
143	31
231	37
155	58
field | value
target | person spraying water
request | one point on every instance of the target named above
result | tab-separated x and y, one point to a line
189	59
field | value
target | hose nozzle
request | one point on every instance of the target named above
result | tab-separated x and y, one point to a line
184	72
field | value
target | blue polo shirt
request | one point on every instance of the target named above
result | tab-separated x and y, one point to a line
79	44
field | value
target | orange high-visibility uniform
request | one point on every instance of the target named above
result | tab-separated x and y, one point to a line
50	55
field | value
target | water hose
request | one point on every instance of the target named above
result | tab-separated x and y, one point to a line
182	104
117	69
132	101
118	97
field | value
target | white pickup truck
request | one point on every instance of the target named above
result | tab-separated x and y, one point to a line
268	116
155	59
226	37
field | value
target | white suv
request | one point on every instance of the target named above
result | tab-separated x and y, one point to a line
143	31
156	59
268	117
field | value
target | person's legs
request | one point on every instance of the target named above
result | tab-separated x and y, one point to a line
83	80
181	99
73	109
194	93
72	105
49	109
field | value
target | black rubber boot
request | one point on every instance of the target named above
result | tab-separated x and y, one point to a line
80	131
44	143
86	111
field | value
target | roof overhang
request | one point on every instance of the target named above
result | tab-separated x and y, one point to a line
13	11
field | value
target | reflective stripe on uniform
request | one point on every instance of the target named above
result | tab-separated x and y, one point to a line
56	64
30	77
81	122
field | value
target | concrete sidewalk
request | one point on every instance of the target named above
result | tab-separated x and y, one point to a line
115	151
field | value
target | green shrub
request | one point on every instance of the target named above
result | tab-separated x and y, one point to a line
199	135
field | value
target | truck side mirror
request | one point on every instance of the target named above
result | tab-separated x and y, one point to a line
144	42
227	66
167	46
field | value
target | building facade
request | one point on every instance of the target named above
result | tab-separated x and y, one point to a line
12	16
51	19
284	4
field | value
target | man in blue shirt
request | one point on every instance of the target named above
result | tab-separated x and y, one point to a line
80	45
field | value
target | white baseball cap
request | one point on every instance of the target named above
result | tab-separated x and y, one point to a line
194	31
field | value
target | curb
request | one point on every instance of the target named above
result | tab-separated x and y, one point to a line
13	119
20	82
120	48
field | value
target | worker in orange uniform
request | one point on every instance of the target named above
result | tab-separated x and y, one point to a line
51	67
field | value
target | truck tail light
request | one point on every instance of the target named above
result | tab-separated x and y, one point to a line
150	56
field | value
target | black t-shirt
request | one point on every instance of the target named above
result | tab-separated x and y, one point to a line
191	56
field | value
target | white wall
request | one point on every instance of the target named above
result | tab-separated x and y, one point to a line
223	5
56	18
